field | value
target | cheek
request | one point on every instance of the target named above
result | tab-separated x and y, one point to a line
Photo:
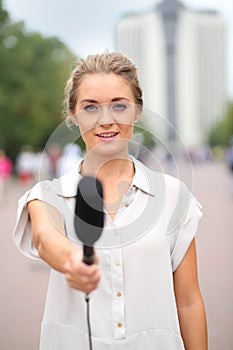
86	136
85	131
85	126
128	130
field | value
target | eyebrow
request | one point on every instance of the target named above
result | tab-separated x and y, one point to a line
115	99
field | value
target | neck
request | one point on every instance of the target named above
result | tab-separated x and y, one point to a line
115	174
106	168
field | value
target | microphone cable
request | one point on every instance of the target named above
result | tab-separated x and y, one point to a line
88	320
88	224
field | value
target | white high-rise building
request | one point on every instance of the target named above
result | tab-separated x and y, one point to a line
181	56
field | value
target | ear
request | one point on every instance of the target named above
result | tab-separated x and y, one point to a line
137	118
138	113
74	120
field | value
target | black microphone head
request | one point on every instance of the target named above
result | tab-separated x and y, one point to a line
89	214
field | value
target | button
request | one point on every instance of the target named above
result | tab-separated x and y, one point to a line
119	324
126	204
117	263
119	294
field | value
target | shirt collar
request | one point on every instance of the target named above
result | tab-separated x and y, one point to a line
66	186
144	178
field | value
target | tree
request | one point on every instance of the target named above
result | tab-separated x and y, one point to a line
222	132
3	15
33	72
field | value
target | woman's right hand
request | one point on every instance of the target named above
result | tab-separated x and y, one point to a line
57	250
80	275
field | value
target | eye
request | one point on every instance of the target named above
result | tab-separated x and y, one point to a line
91	108
119	106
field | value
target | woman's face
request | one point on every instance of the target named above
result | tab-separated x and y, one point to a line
105	113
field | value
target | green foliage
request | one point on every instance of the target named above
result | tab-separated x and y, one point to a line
33	72
147	138
3	15
222	132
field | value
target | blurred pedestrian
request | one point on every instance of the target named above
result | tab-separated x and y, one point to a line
6	168
42	166
54	151
229	157
25	164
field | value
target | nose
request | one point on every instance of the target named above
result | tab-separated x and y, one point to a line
106	116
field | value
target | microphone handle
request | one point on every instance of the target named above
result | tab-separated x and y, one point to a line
88	255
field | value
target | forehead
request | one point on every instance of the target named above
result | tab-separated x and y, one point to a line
101	86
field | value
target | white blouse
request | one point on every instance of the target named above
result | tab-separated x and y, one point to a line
134	306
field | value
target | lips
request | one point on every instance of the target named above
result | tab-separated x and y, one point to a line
107	135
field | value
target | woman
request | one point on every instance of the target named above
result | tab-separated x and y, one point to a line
143	285
6	168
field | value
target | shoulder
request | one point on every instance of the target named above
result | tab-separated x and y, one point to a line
159	182
169	192
65	186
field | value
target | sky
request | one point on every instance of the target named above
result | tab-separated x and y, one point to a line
88	26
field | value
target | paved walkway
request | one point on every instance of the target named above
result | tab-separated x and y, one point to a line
24	282
215	243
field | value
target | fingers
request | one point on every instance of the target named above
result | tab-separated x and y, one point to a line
83	284
80	275
96	258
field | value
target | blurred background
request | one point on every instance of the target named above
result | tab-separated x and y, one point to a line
184	52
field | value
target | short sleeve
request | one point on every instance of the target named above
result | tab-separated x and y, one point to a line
22	235
186	231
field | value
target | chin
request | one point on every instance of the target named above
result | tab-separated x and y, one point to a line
116	148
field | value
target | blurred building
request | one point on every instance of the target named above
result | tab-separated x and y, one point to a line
181	56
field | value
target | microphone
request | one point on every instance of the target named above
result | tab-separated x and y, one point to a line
89	215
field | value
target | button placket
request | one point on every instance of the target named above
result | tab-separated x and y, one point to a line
118	294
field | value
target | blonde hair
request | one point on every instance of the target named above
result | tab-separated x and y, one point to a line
107	62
